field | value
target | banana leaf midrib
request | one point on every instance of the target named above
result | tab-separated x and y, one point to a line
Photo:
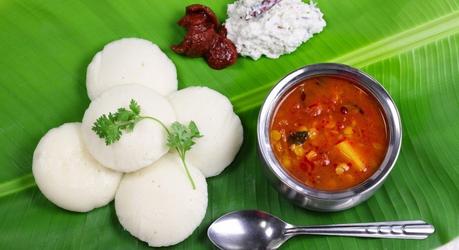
396	44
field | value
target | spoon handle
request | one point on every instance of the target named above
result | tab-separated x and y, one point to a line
392	229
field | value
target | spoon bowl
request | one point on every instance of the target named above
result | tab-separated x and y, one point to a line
253	229
249	229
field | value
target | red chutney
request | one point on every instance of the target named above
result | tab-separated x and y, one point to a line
329	134
205	37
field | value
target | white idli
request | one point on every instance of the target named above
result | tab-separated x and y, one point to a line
68	175
220	126
131	61
158	204
138	148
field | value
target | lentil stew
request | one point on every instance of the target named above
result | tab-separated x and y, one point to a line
329	134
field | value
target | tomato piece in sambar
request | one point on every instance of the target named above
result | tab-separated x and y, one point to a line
329	134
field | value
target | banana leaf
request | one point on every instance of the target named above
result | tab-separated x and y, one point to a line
411	47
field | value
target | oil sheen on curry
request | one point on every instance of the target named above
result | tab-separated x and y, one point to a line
329	134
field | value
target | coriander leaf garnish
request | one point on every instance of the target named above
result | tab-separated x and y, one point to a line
134	106
110	127
182	138
179	137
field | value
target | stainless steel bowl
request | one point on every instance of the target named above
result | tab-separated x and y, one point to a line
301	194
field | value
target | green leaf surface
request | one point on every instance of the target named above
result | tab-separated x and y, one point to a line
410	46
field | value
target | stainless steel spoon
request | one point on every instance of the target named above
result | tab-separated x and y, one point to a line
253	229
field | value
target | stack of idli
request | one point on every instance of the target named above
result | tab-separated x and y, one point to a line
154	200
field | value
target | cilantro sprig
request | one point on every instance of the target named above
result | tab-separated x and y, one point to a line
179	136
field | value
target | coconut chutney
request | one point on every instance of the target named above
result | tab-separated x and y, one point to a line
280	30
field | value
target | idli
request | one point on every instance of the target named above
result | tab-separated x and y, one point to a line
138	148
220	126
131	61
158	204
68	175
